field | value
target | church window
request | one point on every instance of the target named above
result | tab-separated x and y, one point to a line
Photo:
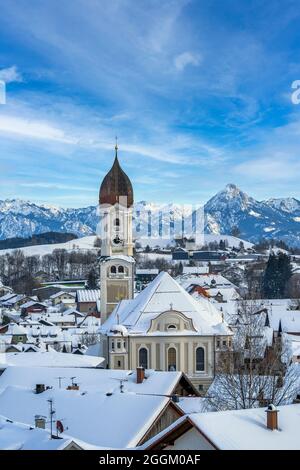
119	344
113	269
112	345
171	359
120	269
172	327
200	359
143	358
218	343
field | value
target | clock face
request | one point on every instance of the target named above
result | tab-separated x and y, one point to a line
117	240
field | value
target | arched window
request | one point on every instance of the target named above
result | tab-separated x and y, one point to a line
172	327
120	269
113	269
117	224
200	359
143	358
171	359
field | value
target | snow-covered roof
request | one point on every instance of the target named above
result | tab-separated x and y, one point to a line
95	379
72	311
247	429
33	302
118	420
146	271
195	269
161	295
15	329
19	436
58	294
48	359
124	417
240	429
129	259
88	295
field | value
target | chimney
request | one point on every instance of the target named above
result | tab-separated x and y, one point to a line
140	375
40	421
40	388
272	417
73	387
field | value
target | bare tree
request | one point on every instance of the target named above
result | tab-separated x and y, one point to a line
252	372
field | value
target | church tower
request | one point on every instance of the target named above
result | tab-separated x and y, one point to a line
116	262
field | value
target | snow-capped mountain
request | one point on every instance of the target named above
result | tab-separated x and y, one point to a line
231	207
274	218
23	219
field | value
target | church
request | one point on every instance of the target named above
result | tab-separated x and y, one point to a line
163	327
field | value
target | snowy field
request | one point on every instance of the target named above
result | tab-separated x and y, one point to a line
87	243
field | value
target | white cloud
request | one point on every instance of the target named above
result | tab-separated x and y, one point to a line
10	74
33	129
187	58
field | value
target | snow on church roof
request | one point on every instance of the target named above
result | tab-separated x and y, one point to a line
161	295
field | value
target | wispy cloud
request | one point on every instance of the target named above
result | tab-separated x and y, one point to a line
181	61
10	74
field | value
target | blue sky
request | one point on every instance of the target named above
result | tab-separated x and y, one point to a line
198	92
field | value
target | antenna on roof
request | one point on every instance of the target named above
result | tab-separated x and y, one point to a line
51	413
72	379
121	383
59	380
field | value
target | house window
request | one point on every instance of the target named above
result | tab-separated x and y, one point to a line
171	359
121	269
143	358
113	269
200	359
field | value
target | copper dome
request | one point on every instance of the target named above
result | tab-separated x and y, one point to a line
116	185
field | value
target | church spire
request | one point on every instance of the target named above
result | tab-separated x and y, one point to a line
116	148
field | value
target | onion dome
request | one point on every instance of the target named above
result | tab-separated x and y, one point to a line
116	185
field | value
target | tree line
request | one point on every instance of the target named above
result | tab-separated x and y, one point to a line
24	273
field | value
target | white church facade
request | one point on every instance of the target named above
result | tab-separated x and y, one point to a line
163	327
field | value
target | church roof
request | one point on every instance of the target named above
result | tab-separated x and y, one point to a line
161	295
116	185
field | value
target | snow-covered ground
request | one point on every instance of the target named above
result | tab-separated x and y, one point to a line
84	243
87	243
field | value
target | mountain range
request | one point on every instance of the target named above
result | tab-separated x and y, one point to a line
273	218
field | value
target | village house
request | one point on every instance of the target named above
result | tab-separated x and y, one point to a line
251	429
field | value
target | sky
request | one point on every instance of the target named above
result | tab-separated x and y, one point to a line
197	91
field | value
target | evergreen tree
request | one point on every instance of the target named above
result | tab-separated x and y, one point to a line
92	279
276	276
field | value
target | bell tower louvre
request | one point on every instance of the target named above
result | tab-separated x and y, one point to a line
116	262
